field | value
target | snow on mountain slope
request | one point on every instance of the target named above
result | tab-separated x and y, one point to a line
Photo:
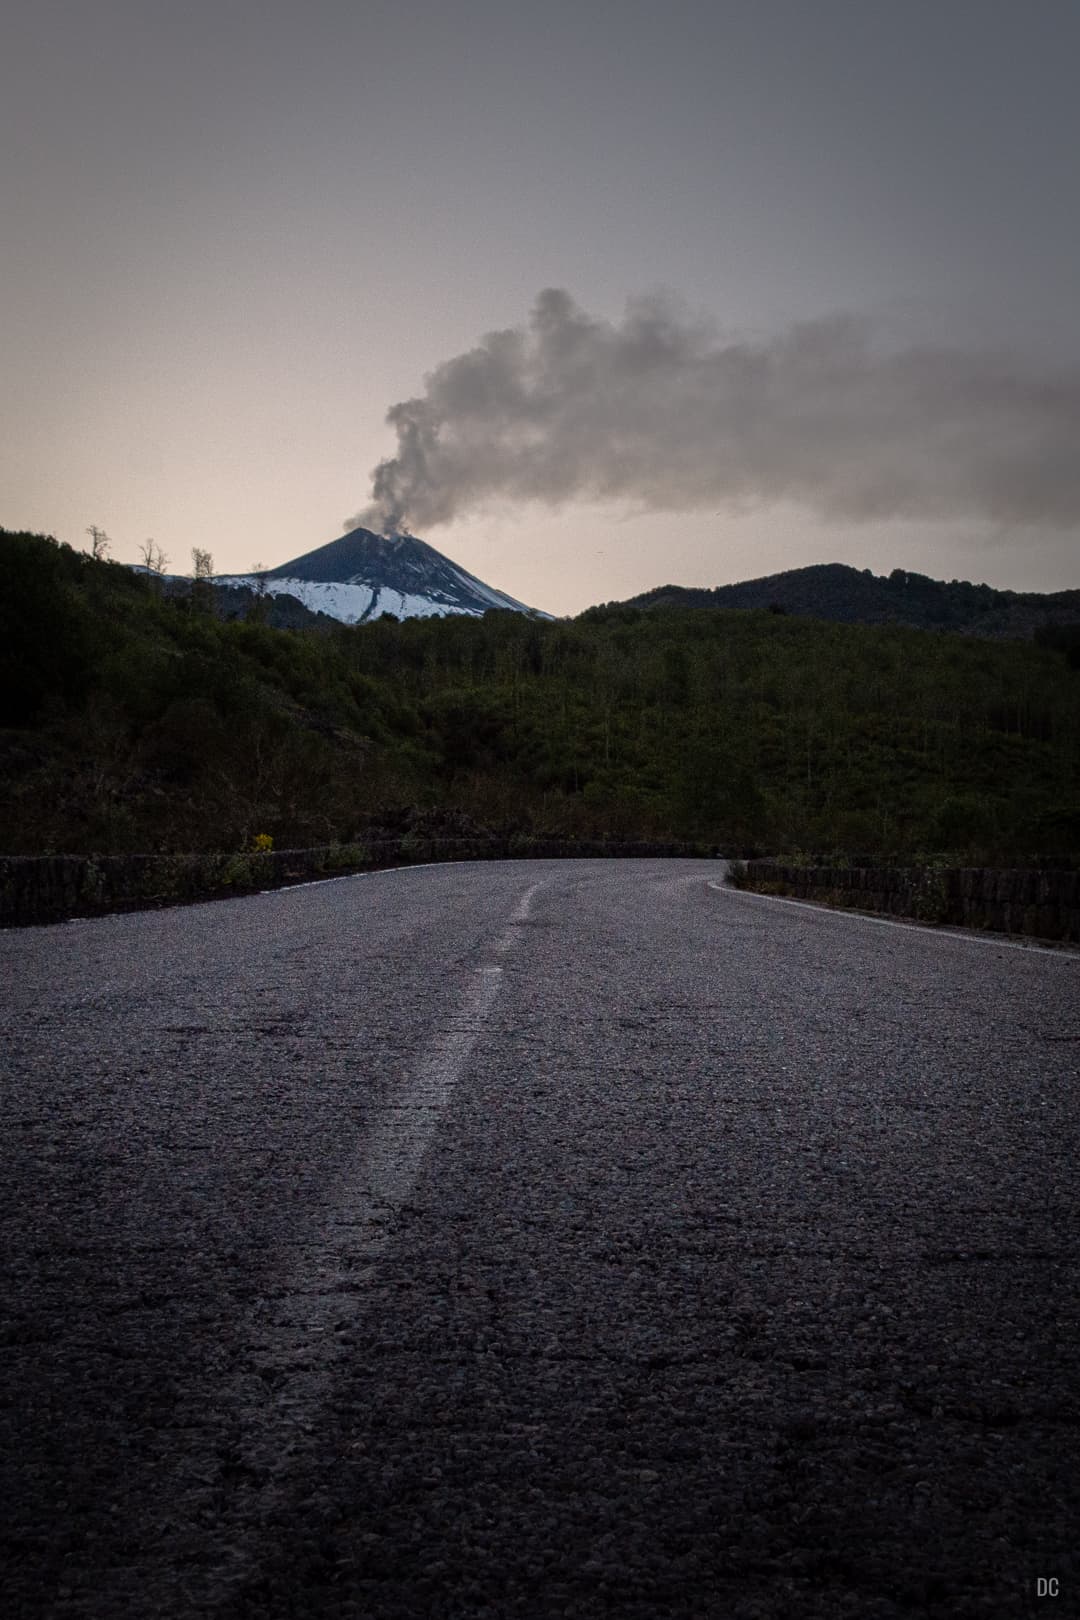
363	575
349	601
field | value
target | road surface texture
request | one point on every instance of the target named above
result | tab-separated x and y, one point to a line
537	1239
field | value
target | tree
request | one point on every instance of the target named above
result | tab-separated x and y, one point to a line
260	607
99	543
202	574
154	559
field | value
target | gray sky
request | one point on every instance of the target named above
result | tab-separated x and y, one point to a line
236	234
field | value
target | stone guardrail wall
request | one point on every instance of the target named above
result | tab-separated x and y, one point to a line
1019	901
49	888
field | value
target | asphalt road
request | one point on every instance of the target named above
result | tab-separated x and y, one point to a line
544	1239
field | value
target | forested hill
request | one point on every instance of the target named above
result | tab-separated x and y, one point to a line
856	596
130	720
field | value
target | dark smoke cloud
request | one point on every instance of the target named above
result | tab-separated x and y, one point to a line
660	412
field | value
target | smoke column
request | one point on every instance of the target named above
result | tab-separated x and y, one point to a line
660	412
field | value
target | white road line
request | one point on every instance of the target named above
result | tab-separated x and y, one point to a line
359	1216
390	1162
297	1337
519	915
347	877
1066	953
371	1192
524	905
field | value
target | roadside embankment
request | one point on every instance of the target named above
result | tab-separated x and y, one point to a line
1045	904
49	888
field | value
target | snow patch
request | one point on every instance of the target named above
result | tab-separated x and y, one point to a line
352	602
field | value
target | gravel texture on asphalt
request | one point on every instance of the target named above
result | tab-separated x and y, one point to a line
537	1239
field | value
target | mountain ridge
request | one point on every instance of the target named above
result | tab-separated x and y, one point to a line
847	595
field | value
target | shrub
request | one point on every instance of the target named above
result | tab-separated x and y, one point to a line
340	857
737	874
238	871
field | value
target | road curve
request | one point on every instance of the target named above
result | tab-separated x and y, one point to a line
537	1239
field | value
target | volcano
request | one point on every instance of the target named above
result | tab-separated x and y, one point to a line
364	575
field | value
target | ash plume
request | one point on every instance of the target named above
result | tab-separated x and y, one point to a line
662	412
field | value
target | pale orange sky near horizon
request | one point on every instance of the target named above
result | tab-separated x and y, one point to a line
234	237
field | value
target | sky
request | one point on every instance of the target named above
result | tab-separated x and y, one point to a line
770	282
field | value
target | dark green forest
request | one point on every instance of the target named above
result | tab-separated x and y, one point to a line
131	720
